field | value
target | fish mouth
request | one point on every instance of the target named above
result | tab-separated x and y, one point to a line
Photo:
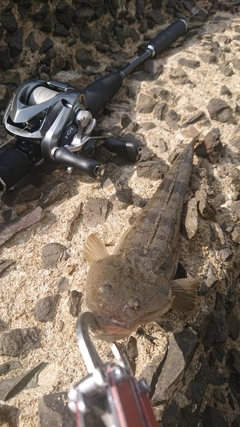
110	331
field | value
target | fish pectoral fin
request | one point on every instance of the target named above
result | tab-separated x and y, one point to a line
185	293
94	249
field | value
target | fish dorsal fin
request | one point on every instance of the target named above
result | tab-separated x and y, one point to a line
185	293
94	249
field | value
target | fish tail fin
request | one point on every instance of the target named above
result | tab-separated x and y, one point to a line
185	293
94	249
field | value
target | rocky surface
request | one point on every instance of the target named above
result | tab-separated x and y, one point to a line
189	92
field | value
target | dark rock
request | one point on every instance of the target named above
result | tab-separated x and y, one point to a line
41	14
152	68
236	234
60	30
235	208
179	76
236	422
233	325
15	43
219	110
53	193
53	411
234	382
9	366
217	330
211	418
172	118
12	386
154	170
233	361
24	7
20	195
170	417
182	347
145	104
75	302
132	352
125	195
8	21
4	57
65	13
18	341
5	264
7	231
45	310
191	218
46	23
47	44
134	35
152	371
225	70
160	111
63	284
83	14
208	58
3	326
211	146
34	40
190	63
96	211
73	221
156	16
197	387
52	254
85	58
194	119
225	91
9	415
205	209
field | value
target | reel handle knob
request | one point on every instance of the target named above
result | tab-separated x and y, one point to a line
129	150
89	167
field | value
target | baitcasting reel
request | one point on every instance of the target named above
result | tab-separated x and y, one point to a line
53	121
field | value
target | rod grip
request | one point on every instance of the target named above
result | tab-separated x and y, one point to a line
14	165
101	91
168	36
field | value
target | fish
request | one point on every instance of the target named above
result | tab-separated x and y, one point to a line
135	284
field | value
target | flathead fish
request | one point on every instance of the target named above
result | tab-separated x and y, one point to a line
135	285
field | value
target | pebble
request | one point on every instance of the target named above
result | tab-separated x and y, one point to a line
53	193
53	410
96	211
154	170
18	224
45	309
18	341
219	110
5	264
191	220
52	254
75	303
145	104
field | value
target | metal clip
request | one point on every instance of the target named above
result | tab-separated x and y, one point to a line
109	391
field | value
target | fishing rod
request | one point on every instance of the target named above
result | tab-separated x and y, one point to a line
53	121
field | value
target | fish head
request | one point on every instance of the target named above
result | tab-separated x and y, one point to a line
123	296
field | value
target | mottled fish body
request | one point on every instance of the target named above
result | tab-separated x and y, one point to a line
135	284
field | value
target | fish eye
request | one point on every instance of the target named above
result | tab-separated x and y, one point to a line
105	289
134	303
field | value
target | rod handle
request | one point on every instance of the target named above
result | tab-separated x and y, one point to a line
168	36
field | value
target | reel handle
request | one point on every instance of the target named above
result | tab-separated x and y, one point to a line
131	151
89	167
